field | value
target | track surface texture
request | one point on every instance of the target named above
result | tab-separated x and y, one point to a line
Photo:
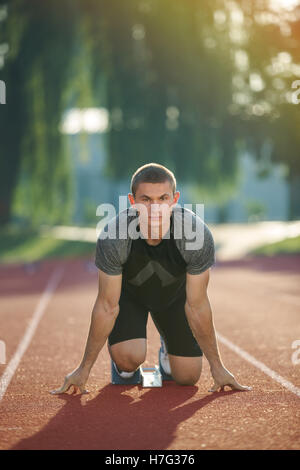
44	322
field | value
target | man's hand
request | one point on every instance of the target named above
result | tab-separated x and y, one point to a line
77	379
223	377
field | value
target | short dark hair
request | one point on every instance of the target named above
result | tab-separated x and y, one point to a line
152	173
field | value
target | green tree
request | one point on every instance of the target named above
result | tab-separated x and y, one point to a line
40	36
190	84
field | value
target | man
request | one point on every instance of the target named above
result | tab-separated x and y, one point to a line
150	266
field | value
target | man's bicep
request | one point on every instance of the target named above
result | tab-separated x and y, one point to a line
196	288
109	287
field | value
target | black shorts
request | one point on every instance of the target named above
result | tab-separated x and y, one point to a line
171	323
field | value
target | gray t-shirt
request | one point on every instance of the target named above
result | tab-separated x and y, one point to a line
191	235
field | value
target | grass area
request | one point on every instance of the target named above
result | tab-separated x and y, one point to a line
289	246
29	246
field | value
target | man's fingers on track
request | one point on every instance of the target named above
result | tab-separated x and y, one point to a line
237	386
77	389
58	391
64	388
214	388
233	385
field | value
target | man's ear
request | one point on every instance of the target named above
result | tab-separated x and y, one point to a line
132	209
176	197
131	199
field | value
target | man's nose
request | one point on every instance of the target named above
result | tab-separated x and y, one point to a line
160	208
155	207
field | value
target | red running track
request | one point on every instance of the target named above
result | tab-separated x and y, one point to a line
256	306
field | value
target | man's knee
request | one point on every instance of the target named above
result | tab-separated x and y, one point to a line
186	371
129	355
128	363
187	380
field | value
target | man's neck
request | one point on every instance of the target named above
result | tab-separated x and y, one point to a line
153	241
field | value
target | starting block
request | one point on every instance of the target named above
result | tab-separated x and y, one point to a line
146	376
151	377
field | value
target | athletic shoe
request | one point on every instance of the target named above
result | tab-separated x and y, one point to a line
164	363
122	373
124	378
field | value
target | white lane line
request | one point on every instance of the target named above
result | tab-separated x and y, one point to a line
260	365
36	317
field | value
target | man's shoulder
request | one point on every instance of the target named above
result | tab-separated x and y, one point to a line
113	244
187	218
190	230
194	240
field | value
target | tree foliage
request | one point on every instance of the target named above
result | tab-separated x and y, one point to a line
189	84
36	73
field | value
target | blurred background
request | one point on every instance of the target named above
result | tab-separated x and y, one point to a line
92	89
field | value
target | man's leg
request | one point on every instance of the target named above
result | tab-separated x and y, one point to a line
128	355
184	353
185	370
127	342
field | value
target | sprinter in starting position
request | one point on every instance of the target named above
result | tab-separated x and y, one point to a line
153	267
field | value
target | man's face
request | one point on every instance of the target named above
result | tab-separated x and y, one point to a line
156	201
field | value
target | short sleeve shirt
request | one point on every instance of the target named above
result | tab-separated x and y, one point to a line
191	235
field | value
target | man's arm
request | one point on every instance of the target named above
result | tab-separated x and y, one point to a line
200	318
103	318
